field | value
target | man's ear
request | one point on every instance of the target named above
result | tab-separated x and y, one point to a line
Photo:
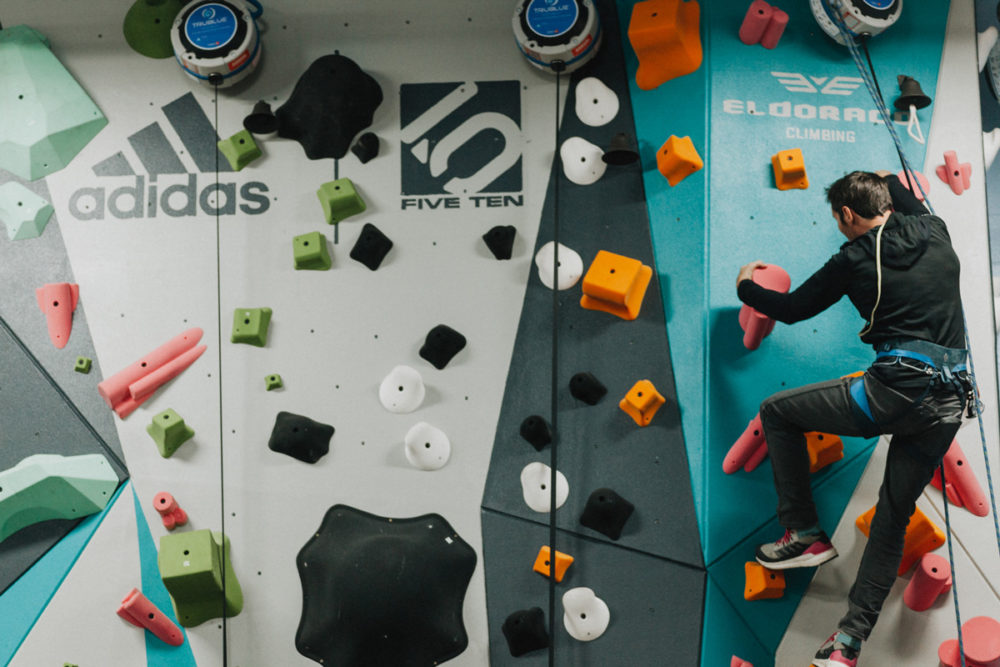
847	215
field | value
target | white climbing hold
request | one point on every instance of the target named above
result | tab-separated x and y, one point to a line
536	479
596	104
427	447
585	615
582	161
570	265
402	390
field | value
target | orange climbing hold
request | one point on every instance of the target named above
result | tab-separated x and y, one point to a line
762	583
789	170
563	561
824	449
641	402
664	34
677	159
922	537
615	284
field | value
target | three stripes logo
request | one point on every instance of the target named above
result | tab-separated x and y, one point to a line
798	83
153	151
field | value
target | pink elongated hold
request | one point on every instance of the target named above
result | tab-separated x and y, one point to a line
961	485
58	301
748	450
955	174
139	611
756	325
173	356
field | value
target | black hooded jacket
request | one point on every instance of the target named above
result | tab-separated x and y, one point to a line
920	287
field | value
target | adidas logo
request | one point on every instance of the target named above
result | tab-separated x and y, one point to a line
158	157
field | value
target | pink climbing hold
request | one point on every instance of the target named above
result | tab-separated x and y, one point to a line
981	641
962	487
955	174
129	388
756	325
58	301
170	512
763	24
931	579
925	185
749	449
139	611
739	662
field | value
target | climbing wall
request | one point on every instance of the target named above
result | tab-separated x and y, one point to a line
162	236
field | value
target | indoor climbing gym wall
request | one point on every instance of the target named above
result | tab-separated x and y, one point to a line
508	413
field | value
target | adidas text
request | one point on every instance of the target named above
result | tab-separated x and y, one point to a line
175	200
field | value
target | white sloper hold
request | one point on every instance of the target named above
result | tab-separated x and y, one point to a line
582	161
585	616
535	480
402	390
570	265
596	104
427	447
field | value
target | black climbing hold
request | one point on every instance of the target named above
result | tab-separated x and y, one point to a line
366	147
537	431
606	512
332	102
378	591
525	631
371	247
587	388
300	437
500	241
441	345
261	120
620	152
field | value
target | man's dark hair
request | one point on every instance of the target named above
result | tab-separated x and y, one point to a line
862	191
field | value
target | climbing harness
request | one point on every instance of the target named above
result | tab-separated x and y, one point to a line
871	83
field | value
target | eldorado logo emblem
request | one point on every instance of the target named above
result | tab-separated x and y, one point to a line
463	140
838	85
171	197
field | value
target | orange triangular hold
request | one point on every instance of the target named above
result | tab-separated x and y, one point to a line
664	34
58	301
922	537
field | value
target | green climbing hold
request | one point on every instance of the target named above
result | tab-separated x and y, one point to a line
310	252
24	213
83	365
273	381
339	200
240	149
147	26
47	116
169	432
250	326
193	566
49	486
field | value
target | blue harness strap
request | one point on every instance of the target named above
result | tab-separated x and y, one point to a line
861	398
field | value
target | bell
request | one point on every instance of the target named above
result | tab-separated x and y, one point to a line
911	94
147	26
620	151
261	120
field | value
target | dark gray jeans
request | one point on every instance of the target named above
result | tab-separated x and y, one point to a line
921	435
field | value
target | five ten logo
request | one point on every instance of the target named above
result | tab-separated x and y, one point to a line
172	190
797	83
461	142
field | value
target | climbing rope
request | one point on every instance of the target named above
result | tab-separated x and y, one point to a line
871	83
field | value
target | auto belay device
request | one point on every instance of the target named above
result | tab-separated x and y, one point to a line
217	41
860	17
553	31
